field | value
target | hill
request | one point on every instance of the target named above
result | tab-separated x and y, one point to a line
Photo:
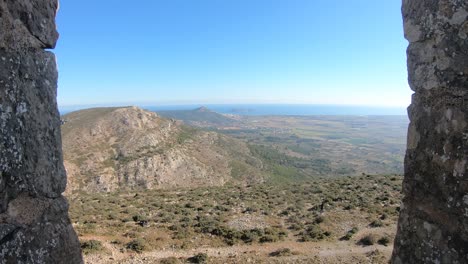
108	149
200	117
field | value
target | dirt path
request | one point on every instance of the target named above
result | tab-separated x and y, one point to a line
320	250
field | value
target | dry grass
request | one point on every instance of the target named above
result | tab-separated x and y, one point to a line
324	210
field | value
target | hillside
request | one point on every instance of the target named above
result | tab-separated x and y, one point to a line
340	220
108	149
200	117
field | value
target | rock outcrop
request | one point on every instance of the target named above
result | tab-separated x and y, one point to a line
433	224
109	149
34	223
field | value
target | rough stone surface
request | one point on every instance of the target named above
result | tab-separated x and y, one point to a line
433	224
34	223
28	24
30	126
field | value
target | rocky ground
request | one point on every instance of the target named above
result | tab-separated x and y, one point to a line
339	252
343	220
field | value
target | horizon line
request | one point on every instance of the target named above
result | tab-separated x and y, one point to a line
146	104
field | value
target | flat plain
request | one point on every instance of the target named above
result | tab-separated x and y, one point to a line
328	145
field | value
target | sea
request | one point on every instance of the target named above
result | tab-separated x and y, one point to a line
272	109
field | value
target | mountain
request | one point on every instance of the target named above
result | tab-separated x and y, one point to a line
107	149
200	117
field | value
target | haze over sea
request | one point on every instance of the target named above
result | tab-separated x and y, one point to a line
271	109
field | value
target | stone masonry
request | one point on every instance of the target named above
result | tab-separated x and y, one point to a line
433	223
34	223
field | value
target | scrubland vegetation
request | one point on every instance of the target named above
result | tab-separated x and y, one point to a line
360	211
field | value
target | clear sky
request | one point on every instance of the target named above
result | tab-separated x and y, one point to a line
232	51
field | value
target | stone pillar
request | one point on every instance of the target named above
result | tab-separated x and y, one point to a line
34	223
433	223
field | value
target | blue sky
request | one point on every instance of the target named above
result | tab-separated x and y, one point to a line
231	51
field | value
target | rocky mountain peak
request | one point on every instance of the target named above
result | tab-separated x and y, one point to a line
203	109
111	148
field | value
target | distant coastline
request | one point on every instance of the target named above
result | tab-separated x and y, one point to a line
271	109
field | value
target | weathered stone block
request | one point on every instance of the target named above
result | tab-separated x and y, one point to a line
39	232
34	223
28	24
30	153
433	224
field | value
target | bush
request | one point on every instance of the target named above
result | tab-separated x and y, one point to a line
199	258
271	235
319	219
116	242
139	218
367	240
384	241
282	252
170	260
137	245
313	233
248	237
296	226
91	246
268	239
208	225
350	234
376	223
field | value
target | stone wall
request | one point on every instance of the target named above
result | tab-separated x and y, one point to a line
433	224
34	223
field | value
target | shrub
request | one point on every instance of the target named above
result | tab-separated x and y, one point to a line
296	226
313	233
268	239
376	223
384	241
116	242
319	219
91	246
182	233
111	216
139	218
269	235
207	225
143	223
170	260
350	234
199	258
137	245
282	252
248	237
354	230
367	240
